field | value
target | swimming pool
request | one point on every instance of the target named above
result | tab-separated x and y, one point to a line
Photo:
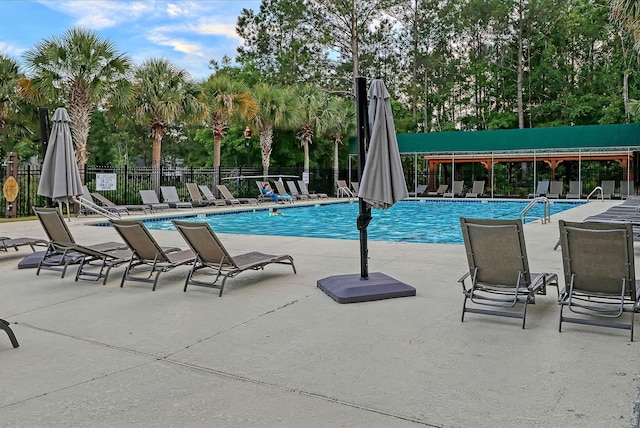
426	221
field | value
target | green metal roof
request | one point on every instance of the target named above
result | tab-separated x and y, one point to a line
558	139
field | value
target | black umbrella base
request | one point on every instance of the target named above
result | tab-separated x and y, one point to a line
352	288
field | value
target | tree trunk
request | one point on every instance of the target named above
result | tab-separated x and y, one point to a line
266	139
336	163
156	133
305	146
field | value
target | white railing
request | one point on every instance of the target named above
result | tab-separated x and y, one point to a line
594	191
546	208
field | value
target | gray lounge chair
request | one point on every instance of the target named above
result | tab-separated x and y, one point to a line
420	191
209	196
477	189
149	259
62	249
88	198
293	191
627	189
599	274
6	243
555	190
608	187
305	191
356	187
106	203
4	325
170	196
499	269
232	200
196	197
439	191
541	190
150	199
343	189
456	190
283	195
575	190
212	255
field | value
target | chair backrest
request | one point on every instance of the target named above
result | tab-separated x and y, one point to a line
206	192
496	251
597	257
54	225
103	200
136	235
302	185
342	184
627	188
478	187
442	189
225	192
194	193
169	194
355	186
149	197
543	187
608	186
204	242
86	194
457	187
555	187
293	190
280	186
260	185
575	187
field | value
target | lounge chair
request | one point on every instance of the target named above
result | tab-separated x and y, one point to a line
420	191
476	190
107	203
62	249
6	243
456	190
555	190
197	199
599	274
575	190
439	191
283	195
305	191
499	269
209	196
541	190
149	259
170	196
608	187
4	325
231	200
87	198
150	199
343	189
211	254
627	189
356	187
261	198
293	191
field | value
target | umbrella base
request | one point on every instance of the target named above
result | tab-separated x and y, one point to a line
352	288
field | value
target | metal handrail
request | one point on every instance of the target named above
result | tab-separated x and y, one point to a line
546	216
95	208
594	191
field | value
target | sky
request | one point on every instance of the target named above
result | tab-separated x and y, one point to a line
188	32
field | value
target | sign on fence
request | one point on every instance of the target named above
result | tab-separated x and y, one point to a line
105	182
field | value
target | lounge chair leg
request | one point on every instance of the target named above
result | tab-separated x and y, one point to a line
464	306
524	314
155	281
560	321
4	325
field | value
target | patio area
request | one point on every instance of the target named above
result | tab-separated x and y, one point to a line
276	351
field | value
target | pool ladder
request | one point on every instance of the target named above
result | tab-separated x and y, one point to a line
546	217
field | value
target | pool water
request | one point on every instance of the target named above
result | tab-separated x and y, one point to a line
425	221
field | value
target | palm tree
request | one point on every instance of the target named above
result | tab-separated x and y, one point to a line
9	88
225	98
342	118
164	95
311	105
276	108
83	70
627	14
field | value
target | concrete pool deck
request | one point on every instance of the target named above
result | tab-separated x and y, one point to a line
275	351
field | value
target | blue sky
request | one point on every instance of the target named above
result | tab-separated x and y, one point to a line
189	33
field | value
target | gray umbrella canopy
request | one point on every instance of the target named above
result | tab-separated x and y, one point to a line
382	183
60	178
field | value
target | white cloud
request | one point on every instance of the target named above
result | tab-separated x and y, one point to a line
179	45
10	50
100	14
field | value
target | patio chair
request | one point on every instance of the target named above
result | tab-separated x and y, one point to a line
4	325
150	199
599	274
211	254
6	243
343	189
305	191
456	190
231	200
420	191
293	191
575	190
62	249
87	197
356	187
283	195
499	269
476	190
149	259
107	203
541	190
555	190
261	198
209	196
627	189
196	197
608	186
439	191
170	196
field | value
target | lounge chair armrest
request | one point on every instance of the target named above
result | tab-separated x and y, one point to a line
461	280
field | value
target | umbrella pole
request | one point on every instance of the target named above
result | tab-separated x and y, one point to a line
364	211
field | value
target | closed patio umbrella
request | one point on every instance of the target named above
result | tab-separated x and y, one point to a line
60	178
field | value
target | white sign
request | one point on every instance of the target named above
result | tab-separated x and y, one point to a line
105	181
305	177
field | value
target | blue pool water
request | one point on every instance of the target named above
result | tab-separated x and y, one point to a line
407	221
